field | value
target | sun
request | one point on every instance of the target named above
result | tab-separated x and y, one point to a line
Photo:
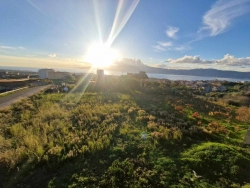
101	55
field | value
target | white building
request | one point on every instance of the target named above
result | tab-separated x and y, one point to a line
52	74
44	73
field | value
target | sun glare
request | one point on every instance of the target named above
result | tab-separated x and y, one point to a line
101	55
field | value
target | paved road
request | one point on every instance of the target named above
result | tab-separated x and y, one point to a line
6	101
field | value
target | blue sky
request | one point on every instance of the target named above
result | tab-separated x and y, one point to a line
161	33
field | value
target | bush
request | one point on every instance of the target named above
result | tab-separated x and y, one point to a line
214	160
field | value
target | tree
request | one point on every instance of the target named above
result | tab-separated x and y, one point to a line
70	78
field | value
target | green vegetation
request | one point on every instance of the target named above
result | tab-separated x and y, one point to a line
11	92
120	134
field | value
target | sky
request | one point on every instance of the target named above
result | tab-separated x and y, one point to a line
171	34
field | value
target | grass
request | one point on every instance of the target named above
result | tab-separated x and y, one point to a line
97	139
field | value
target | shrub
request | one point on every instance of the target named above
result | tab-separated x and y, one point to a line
179	109
196	115
218	160
243	114
215	127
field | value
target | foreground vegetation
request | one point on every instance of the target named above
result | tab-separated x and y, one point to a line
119	134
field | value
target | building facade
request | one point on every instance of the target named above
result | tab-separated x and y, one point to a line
100	74
44	73
51	74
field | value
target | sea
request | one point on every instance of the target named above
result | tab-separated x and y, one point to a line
180	77
150	75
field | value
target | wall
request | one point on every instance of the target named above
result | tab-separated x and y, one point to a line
44	73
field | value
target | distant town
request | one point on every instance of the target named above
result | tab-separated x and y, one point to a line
12	79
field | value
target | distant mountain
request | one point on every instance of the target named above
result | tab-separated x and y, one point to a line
191	72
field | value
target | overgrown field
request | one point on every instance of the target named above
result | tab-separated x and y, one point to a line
158	136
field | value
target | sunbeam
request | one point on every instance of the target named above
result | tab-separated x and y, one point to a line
97	18
36	7
101	55
88	76
121	18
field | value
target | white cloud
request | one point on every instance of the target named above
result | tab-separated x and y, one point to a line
21	48
165	44
189	59
171	32
21	61
159	48
7	47
52	55
182	48
162	65
221	15
162	46
232	61
130	61
227	60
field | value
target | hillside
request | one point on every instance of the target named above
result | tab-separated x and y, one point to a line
191	72
119	134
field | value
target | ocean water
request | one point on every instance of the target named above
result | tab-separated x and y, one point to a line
179	77
192	78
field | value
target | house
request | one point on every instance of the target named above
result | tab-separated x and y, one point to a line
219	88
44	73
100	74
207	89
222	88
3	74
214	88
52	74
195	86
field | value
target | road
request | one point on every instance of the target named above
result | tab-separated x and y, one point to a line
6	101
